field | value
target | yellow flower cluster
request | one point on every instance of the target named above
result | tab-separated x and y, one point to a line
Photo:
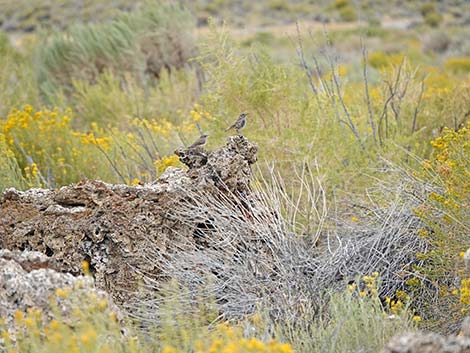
165	162
459	65
229	339
451	162
38	139
31	171
464	295
88	327
340	71
396	306
369	288
196	116
91	139
163	128
198	113
45	121
381	60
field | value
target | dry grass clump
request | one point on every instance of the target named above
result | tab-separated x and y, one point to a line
246	252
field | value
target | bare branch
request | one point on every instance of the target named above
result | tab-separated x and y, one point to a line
366	88
418	104
303	62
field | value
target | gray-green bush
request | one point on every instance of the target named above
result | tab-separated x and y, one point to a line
141	43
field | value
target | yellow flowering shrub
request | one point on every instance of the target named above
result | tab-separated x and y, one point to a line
464	295
446	213
226	338
47	148
91	325
43	148
198	113
458	65
367	289
381	60
10	172
165	162
161	128
448	206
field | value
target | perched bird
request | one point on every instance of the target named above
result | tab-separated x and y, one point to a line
239	124
200	142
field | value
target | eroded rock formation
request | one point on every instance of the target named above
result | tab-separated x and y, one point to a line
28	280
111	226
420	342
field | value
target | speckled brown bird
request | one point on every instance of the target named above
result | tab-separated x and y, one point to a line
239	124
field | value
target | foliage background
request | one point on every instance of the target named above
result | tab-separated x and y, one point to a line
371	98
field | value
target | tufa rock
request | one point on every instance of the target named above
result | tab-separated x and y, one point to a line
27	280
113	226
419	342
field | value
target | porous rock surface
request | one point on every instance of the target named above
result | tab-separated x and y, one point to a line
28	280
419	342
111	226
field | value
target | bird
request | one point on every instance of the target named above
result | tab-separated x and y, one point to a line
200	142
239	124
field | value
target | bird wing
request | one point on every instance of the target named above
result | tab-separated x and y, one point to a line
234	125
197	142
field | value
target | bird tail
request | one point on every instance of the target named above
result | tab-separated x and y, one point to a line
229	128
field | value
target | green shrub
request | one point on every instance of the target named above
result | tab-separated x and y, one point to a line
458	65
433	19
346	10
340	4
114	100
10	172
430	14
141	44
427	8
354	320
278	5
348	14
17	82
